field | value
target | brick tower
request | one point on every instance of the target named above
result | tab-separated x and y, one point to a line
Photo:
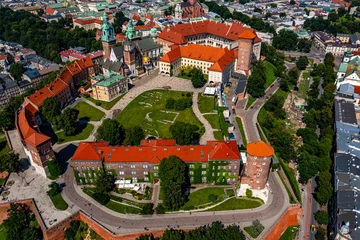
257	165
245	52
108	37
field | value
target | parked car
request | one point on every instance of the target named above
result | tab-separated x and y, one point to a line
231	136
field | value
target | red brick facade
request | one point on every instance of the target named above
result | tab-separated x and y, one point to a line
245	54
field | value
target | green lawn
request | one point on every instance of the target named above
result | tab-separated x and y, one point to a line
237	203
218	135
87	112
304	85
213	119
2	233
250	101
151	103
200	197
242	131
269	72
230	192
103	104
59	202
84	132
4	148
206	104
250	231
292	179
291	198
290	233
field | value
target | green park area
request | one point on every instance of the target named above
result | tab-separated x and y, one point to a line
206	104
83	132
89	113
2	233
118	204
148	111
290	233
304	84
237	203
242	131
103	104
204	198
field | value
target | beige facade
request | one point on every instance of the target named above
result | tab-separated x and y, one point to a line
108	87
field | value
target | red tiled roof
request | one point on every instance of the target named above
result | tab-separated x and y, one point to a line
260	149
88	21
89	151
154	151
49	11
177	33
221	57
39	96
148	26
3	57
248	34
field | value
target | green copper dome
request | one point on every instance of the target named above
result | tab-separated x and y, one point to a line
108	33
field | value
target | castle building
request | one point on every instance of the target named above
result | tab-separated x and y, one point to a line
108	86
257	165
217	162
217	63
128	58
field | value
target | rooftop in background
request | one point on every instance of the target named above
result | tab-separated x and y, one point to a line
345	111
108	80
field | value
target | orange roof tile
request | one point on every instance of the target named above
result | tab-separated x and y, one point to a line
247	34
3	57
260	149
154	150
39	96
36	139
221	57
57	86
49	11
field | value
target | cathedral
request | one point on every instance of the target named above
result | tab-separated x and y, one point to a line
137	54
189	9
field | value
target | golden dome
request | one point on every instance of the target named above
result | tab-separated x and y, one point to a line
146	59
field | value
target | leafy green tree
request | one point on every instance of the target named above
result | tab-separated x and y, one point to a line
320	234
104	182
32	233
333	17
54	189
248	193
174	176
169	104
140	23
147	209
282	14
54	168
324	189
111	131
184	133
9	162
19	220
50	109
302	62
322	217
133	136
69	118
197	78
256	82
292	2
16	70
160	209
286	40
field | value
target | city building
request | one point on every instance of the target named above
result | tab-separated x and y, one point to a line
209	33
90	22
10	88
348	72
217	63
190	9
108	86
216	162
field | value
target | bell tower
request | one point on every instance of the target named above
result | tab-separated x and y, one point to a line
245	52
129	47
108	37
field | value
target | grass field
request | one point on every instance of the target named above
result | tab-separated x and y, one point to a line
269	72
218	135
4	148
103	104
290	233
59	202
200	197
213	119
236	203
304	84
250	231
206	104
2	233
84	132
151	104
87	112
242	131
250	101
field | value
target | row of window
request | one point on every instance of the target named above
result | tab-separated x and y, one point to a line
132	173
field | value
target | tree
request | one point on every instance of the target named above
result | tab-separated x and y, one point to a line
248	193
16	70
320	234
286	40
50	109
20	219
292	2
69	121
54	168
111	131
133	136
302	62
9	162
282	14
174	176
54	189
322	217
147	209
184	133
333	17
197	78
140	23
160	209
104	182
324	189
256	81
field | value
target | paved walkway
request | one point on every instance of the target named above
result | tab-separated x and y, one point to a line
208	134
156	194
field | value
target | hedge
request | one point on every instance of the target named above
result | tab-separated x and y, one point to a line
291	177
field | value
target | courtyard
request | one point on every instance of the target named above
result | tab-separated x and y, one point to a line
148	111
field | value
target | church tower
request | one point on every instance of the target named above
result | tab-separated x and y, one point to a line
245	52
129	47
108	37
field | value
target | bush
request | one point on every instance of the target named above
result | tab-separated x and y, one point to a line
322	217
101	198
188	94
97	103
169	104
147	209
248	193
160	209
320	234
212	198
54	189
